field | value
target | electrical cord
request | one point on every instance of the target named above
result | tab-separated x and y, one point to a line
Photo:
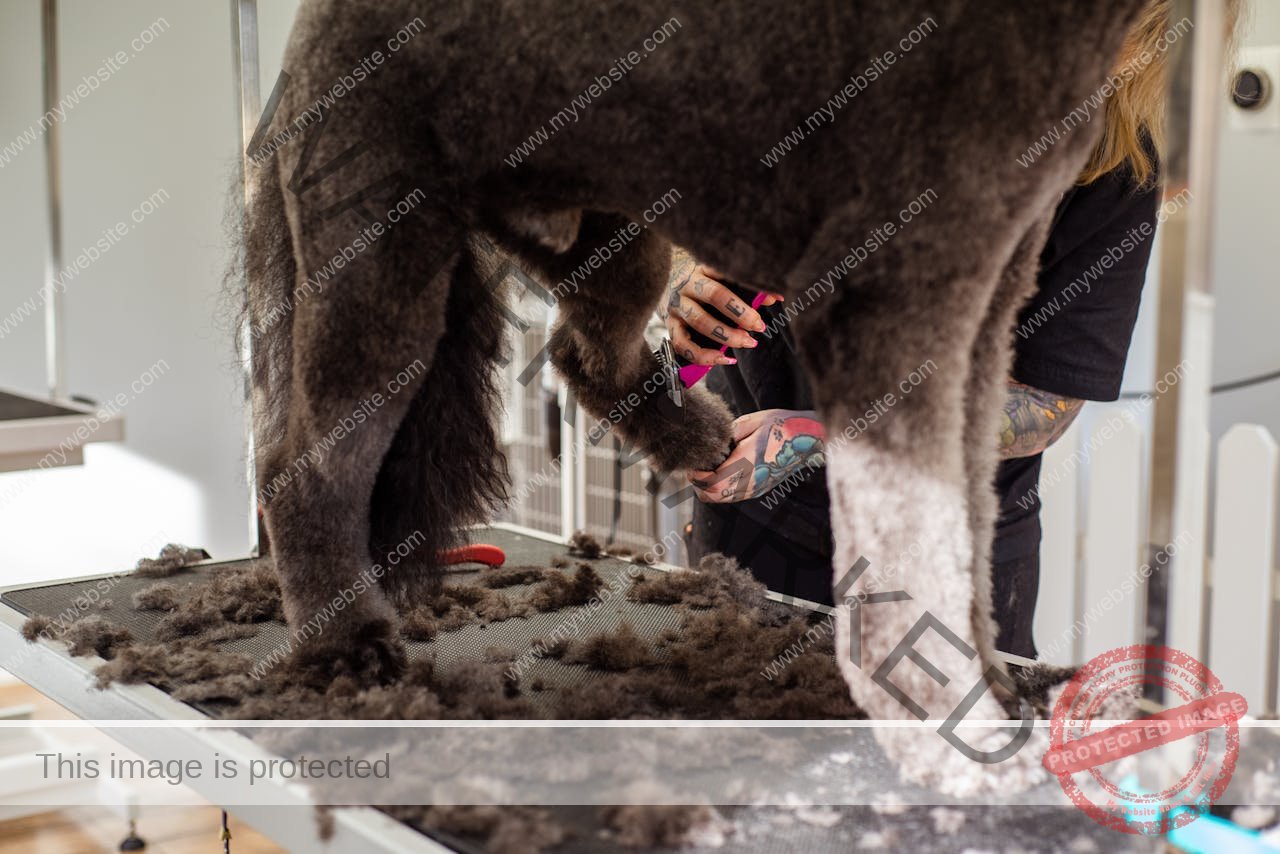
1246	382
1234	385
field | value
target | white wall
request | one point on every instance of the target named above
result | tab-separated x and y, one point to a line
1245	278
1247	267
164	122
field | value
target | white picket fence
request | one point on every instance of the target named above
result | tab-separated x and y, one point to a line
1221	602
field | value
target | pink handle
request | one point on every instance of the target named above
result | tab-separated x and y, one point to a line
691	375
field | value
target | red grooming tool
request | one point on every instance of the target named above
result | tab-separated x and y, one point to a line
491	556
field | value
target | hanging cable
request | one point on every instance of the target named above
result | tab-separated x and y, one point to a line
1246	382
1234	385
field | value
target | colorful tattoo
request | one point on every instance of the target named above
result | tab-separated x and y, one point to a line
1033	420
788	445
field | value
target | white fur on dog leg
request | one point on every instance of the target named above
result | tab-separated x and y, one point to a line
912	526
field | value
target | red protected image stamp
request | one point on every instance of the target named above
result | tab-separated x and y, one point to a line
1154	773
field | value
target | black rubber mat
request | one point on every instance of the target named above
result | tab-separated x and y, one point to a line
14	407
757	829
451	649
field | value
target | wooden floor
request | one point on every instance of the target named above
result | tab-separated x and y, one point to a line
25	695
84	830
90	830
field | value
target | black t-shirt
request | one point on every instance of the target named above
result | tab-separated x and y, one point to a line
1072	339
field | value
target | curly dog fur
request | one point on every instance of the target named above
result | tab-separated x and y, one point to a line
437	121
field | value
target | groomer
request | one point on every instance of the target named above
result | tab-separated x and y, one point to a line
1070	346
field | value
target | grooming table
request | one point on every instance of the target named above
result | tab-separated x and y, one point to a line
31	430
50	669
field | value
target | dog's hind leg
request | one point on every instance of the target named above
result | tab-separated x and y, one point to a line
362	347
988	387
888	352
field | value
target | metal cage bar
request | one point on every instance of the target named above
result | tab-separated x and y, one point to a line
1185	318
248	94
54	309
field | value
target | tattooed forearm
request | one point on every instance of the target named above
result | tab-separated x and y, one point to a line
775	446
1034	419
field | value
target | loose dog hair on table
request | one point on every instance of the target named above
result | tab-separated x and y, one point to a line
367	208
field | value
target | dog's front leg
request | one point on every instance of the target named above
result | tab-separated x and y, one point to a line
599	348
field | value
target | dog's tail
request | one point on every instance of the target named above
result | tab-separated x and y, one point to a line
445	469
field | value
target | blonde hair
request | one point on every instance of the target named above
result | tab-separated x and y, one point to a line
1134	121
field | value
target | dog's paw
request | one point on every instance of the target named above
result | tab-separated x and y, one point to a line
702	437
369	654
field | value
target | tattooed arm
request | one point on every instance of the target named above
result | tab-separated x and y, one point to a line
774	445
777	445
1034	419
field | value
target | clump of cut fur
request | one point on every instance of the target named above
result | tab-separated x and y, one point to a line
420	624
38	626
723	661
621	649
499	829
669	588
161	596
172	558
453	606
250	595
513	576
582	544
171	666
499	654
94	635
717	580
556	648
563	591
243	595
193	671
652	826
191	619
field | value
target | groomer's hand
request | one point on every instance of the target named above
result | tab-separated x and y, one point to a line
773	445
691	288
